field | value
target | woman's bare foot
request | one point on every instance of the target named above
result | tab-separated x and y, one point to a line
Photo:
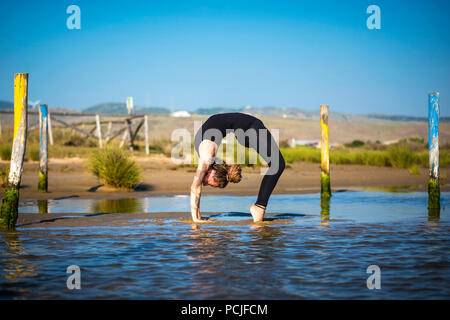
203	220
257	213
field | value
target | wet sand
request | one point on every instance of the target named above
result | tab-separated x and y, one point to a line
70	178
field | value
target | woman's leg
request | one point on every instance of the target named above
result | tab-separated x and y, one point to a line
269	182
276	166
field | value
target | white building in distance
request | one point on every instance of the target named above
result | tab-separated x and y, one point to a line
180	114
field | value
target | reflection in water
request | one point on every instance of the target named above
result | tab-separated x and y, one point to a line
394	189
434	214
324	210
286	257
130	205
218	256
14	263
43	206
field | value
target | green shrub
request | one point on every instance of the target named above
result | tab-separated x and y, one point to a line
246	156
5	152
444	158
4	173
414	170
76	140
301	153
284	143
115	167
354	144
33	153
416	139
423	158
401	156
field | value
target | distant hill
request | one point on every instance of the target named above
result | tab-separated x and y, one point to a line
214	110
314	115
286	112
405	118
5	105
121	108
396	118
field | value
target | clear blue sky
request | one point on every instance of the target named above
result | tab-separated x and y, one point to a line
230	53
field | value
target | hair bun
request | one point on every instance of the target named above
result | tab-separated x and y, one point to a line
234	173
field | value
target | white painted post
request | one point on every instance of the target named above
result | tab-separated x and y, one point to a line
99	130
43	149
50	132
147	150
109	128
125	134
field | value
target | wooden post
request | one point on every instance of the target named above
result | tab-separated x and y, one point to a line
137	130
433	148
99	130
10	201
324	210
43	206
74	128
50	133
147	150
125	134
109	128
43	149
325	152
130	134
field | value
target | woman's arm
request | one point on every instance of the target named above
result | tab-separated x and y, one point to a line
207	150
196	190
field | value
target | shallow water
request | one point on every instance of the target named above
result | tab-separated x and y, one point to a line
308	249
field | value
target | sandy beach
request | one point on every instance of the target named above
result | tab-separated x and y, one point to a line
70	178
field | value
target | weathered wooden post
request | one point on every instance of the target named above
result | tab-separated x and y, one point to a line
130	135
10	201
324	210
109	129
43	149
124	137
99	130
147	150
43	206
325	152
50	132
433	148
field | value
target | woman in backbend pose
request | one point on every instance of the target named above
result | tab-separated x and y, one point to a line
251	133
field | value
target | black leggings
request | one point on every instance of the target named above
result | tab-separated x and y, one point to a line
274	172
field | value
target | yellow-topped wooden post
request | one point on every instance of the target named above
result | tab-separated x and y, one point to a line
325	152
10	201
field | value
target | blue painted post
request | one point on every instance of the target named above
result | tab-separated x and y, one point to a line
433	147
43	149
